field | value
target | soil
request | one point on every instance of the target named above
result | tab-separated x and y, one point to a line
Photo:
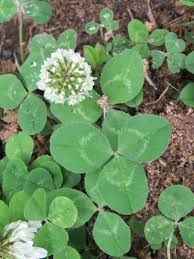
176	166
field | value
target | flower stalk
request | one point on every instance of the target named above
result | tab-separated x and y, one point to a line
20	17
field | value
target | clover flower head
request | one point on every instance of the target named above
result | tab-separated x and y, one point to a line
17	241
65	77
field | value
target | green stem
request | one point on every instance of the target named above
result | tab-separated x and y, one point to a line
169	244
20	16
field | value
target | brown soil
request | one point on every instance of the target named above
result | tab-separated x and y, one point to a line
176	166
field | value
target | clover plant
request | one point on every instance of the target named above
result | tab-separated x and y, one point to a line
94	171
175	203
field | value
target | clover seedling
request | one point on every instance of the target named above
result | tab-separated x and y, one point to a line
106	21
175	203
175	59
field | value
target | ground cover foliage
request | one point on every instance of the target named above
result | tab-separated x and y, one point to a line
94	173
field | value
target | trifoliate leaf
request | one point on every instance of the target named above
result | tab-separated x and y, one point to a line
122	77
187	94
52	238
38	178
173	44
36	207
111	126
83	204
79	147
12	91
14	177
157	229
92	27
62	212
176	202
19	146
137	31
189	62
32	115
112	234
145	139
7	10
17	204
67	39
123	186
186	228
157	37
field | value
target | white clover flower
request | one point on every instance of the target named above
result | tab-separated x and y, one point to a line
17	241
65	77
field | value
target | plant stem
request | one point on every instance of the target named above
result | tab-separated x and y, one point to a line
20	16
169	244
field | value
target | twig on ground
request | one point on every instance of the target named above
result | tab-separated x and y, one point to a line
173	22
130	13
149	81
161	96
53	29
173	87
150	15
101	33
147	78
